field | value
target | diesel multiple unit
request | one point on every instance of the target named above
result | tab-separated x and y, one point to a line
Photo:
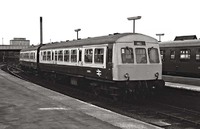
119	63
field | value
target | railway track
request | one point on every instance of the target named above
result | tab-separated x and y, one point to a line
182	114
151	111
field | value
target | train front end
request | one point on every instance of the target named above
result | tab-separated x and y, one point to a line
137	64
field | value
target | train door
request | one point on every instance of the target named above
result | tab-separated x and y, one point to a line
80	59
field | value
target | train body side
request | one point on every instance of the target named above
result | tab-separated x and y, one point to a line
181	57
29	58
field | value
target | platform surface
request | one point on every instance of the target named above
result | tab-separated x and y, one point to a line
24	105
187	83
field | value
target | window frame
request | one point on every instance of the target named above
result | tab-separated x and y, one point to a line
88	57
157	60
172	54
126	60
73	57
142	61
99	57
185	54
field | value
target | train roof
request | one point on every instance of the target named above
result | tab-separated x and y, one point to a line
182	43
109	39
186	37
31	48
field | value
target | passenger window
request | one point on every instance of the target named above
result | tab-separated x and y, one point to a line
141	55
60	55
162	54
127	55
99	55
172	55
185	54
48	55
198	55
73	55
88	55
32	55
153	55
66	55
44	55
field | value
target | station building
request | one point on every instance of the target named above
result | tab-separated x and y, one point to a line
10	53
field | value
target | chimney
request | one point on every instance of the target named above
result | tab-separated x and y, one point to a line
41	35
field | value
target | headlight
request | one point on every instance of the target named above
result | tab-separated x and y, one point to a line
127	76
157	75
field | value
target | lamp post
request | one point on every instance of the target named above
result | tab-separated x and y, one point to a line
134	18
162	34
77	30
41	32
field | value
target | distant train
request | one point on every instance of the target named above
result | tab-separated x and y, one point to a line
115	64
181	56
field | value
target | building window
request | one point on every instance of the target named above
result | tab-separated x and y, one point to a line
127	55
99	55
66	55
185	54
141	56
88	55
73	55
172	55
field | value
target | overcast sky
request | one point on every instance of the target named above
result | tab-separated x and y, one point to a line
20	18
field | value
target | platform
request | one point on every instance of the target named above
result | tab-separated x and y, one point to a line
187	83
24	105
183	86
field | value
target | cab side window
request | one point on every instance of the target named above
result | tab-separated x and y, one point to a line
153	55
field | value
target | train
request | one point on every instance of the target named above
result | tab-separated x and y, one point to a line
181	56
115	64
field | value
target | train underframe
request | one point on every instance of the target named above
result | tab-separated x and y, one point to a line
119	90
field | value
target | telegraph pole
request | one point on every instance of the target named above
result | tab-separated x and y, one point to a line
41	33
